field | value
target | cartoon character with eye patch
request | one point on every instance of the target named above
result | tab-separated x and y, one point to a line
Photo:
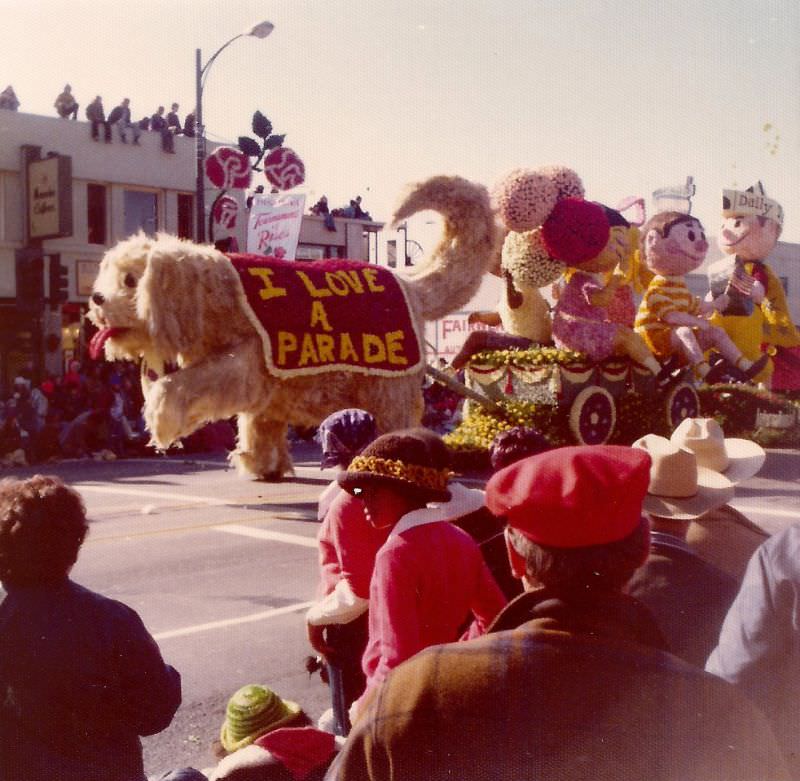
673	321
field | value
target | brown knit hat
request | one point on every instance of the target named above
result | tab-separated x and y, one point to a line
413	459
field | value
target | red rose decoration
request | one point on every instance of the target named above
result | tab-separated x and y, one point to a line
225	211
575	231
284	169
228	168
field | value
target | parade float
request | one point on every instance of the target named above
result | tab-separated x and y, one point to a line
585	389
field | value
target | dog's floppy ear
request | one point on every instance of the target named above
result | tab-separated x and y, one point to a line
161	301
183	291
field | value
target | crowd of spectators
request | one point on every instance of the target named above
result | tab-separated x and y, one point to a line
66	106
92	412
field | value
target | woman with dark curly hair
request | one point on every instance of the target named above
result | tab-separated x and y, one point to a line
80	677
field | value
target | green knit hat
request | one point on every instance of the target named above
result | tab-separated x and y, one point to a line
253	711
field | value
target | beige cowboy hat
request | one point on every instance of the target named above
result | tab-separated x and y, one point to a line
737	459
679	488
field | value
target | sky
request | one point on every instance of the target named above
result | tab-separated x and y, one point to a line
377	94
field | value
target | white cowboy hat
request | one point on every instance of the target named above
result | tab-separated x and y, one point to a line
737	459
679	488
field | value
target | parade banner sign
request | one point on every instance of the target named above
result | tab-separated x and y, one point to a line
274	227
329	315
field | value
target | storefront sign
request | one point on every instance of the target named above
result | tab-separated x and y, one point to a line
87	272
274	227
50	197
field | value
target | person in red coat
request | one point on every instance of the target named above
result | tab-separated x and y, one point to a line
429	575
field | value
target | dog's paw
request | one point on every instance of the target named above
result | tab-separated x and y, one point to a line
270	466
164	416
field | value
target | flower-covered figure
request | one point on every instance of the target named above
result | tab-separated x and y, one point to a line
757	313
671	320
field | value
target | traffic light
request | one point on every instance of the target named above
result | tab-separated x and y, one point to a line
30	280
59	282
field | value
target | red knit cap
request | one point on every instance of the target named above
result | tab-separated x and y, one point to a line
575	231
573	497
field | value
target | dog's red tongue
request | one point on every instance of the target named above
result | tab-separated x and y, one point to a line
100	338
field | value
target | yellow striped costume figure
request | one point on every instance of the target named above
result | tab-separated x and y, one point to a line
663	295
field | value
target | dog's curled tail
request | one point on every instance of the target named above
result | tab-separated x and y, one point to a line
451	275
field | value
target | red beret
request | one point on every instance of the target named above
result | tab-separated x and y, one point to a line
573	497
576	231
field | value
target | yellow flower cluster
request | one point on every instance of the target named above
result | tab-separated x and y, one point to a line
534	356
416	474
478	431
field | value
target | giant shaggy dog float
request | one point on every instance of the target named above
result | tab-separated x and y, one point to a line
276	342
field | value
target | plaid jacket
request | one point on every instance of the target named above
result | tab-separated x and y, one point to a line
564	688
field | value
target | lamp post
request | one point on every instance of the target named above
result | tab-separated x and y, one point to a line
260	30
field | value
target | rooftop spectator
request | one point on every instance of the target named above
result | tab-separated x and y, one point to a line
121	116
173	120
189	125
66	106
96	115
8	99
159	124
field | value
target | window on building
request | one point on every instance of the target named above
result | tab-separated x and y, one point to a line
96	213
141	212
185	216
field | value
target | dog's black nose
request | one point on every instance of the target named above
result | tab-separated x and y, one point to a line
98	299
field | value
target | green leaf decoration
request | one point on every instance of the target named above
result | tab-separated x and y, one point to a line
273	142
249	146
262	127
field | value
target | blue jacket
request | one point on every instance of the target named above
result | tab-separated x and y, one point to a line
80	680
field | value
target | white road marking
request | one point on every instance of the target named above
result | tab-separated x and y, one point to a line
263	615
267	534
170	496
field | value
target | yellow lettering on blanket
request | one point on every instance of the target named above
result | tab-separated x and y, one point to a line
317	349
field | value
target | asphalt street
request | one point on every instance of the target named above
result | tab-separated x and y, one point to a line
221	569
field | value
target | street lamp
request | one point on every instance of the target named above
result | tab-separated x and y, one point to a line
260	30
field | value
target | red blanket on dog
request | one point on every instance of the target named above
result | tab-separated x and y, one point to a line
329	315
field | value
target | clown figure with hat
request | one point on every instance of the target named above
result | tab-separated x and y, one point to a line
573	679
757	313
691	474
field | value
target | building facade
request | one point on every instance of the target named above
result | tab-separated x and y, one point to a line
114	190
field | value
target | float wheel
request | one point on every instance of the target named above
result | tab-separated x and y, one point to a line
593	416
682	402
